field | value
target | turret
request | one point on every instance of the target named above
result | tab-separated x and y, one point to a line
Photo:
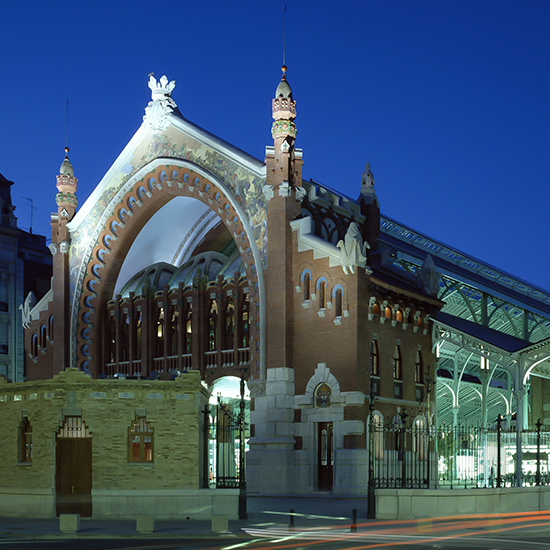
284	162
66	200
370	208
284	192
66	208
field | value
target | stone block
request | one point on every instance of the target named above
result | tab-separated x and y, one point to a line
279	388
145	524
220	524
284	402
280	415
354	398
354	427
280	374
69	523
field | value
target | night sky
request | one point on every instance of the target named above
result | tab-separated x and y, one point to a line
448	100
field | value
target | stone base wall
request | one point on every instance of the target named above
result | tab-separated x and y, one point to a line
425	503
27	502
166	504
163	504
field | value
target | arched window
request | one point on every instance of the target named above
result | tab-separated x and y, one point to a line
140	441
188	330
306	282
374	359
50	328
376	308
321	291
43	337
124	333
338	302
174	331
388	312
229	324
138	333
212	325
112	338
34	346
25	442
399	316
245	322
159	333
418	370
397	370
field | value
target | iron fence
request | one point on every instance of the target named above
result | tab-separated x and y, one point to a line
423	456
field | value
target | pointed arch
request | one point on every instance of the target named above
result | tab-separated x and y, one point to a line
92	290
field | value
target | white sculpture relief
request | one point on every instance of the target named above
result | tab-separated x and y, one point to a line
284	189
256	388
353	250
160	108
53	248
300	194
64	247
268	192
26	308
428	277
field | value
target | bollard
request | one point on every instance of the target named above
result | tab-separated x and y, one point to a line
145	524
69	523
354	520
291	519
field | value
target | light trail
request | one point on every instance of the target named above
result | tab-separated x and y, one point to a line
487	523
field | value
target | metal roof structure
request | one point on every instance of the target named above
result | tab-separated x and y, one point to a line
503	315
499	315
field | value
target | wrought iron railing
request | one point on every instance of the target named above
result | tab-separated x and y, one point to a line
459	456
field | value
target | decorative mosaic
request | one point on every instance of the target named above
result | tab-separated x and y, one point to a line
242	184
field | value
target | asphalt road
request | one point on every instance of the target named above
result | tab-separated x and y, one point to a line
532	538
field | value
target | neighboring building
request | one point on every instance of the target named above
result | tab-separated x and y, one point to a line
25	266
192	255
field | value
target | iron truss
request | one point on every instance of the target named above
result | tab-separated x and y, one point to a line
485	296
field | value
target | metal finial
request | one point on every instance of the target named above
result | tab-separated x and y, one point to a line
67	128
284	42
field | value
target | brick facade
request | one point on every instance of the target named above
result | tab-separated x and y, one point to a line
108	408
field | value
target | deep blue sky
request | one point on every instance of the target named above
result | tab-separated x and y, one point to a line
448	100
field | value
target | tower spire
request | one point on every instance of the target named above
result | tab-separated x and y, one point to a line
66	190
284	42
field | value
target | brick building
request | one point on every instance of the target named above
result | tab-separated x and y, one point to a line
25	274
191	255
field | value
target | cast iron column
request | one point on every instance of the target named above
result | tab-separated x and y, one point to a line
371	497
243	514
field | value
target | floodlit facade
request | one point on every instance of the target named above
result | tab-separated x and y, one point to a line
190	255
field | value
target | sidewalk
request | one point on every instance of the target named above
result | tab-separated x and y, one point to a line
266	513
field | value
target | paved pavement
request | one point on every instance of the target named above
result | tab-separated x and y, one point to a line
266	513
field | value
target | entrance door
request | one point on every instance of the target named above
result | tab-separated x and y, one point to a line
73	473
325	456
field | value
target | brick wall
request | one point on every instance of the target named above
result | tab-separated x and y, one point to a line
108	408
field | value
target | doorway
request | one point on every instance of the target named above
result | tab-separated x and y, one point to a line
325	455
73	468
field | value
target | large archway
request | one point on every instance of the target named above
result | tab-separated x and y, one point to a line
126	217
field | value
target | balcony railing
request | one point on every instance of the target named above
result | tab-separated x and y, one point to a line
239	358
